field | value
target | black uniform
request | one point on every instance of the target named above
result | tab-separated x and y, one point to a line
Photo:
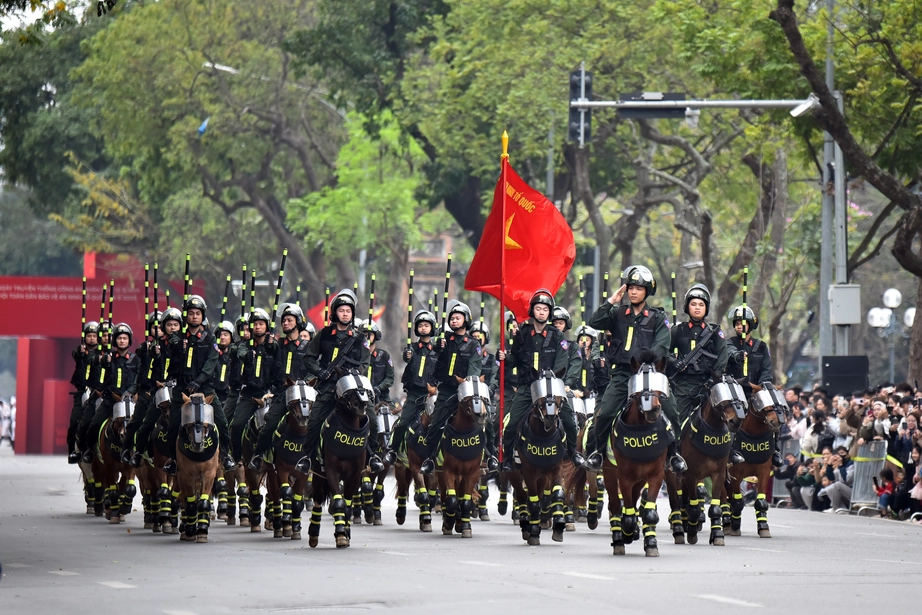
259	363
96	383
459	358
290	365
83	366
116	377
148	371
689	385
416	375
750	361
381	374
158	370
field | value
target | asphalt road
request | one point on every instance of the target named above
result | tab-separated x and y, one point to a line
58	559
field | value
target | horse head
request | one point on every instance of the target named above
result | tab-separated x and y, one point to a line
473	398
299	399
353	392
121	413
647	386
728	401
768	405
163	399
548	393
197	415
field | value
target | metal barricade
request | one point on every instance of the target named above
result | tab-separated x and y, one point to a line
780	492
869	462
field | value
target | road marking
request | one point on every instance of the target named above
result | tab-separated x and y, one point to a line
893	561
583	575
117	585
875	535
63	573
726	600
763	550
180	612
787	527
396	553
18	566
472	563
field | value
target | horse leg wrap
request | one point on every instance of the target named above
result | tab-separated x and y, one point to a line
675	522
367	485
736	510
725	511
451	503
131	490
693	511
401	507
557	497
316	514
191	513
377	496
546	503
175	507
256	504
204	514
503	505
297	507
243	496
629	523
617	534
650	516
715	514
467	507
287	497
348	515
534	514
523	517
422	498
484	492
338	510
221	490
761	506
242	490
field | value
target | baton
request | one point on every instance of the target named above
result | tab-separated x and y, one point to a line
278	289
227	284
674	312
410	312
83	311
146	299
582	301
326	309
445	293
371	304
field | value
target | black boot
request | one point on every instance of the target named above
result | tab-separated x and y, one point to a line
776	458
374	462
73	458
492	464
428	467
126	456
390	457
304	465
736	458
88	456
170	467
135	461
256	463
229	464
578	460
675	461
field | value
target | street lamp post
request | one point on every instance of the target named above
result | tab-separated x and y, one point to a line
885	321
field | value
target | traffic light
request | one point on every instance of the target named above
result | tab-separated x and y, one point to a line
580	126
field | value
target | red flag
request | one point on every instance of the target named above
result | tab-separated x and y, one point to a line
537	241
315	315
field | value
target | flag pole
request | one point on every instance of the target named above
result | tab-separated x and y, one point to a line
503	162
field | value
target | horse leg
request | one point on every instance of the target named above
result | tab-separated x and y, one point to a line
715	512
425	510
558	512
256	504
675	491
204	517
220	487
650	517
297	505
451	503
243	499
282	525
231	483
128	491
534	508
313	530
761	503
403	490
630	495
483	489
377	497
693	510
502	482
736	507
368	509
614	512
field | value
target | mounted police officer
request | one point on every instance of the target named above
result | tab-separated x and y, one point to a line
420	357
224	336
459	358
536	348
258	358
489	375
750	361
336	348
593	369
634	328
193	359
117	376
241	326
148	370
289	366
381	369
84	356
96	384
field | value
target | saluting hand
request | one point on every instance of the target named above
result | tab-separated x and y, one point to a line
615	299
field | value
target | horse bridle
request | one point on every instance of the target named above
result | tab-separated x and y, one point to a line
648	390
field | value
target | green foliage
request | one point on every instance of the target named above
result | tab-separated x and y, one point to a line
30	245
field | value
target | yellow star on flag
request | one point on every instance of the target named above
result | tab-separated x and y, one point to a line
510	242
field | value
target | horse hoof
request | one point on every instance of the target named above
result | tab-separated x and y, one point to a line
277	533
654	552
425	527
378	522
244	521
148	526
765	534
357	521
155	528
484	515
286	532
342	541
467	534
534	541
582	519
312	541
183	537
201	538
89	510
693	539
617	550
733	532
232	520
213	515
546	525
369	520
296	535
401	520
267	524
447	531
557	536
502	507
718	541
256	528
679	539
166	528
570	527
594	523
115	519
526	534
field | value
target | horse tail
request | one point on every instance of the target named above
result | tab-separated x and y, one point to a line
573	477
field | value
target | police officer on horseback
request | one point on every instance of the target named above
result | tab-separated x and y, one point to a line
85	356
224	336
337	347
148	371
290	364
459	358
420	357
634	328
489	375
538	347
381	369
258	358
750	362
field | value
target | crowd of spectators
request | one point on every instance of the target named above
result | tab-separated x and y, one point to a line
8	421
831	433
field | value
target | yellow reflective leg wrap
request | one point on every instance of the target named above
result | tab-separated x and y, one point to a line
615	522
534	519
735	515
339	517
465	517
316	514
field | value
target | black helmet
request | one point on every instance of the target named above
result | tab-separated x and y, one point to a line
259	314
105	327
224	325
343	297
460	308
122	329
543	296
638	275
241	324
482	327
171	313
154	320
196	302
586	330
373	328
698	291
560	313
291	309
91	327
425	316
309	327
744	313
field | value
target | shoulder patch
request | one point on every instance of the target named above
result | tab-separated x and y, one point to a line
564	344
666	320
215	346
720	333
391	363
366	344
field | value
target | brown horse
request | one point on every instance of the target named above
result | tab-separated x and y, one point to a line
755	441
541	450
706	443
462	453
155	483
371	492
344	436
406	471
249	497
196	464
116	477
582	486
287	449
639	443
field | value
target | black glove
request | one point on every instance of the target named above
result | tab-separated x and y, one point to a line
324	374
377	392
272	346
175	339
192	387
680	365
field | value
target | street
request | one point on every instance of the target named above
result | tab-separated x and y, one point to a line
58	559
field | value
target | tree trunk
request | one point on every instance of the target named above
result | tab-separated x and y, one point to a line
394	321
